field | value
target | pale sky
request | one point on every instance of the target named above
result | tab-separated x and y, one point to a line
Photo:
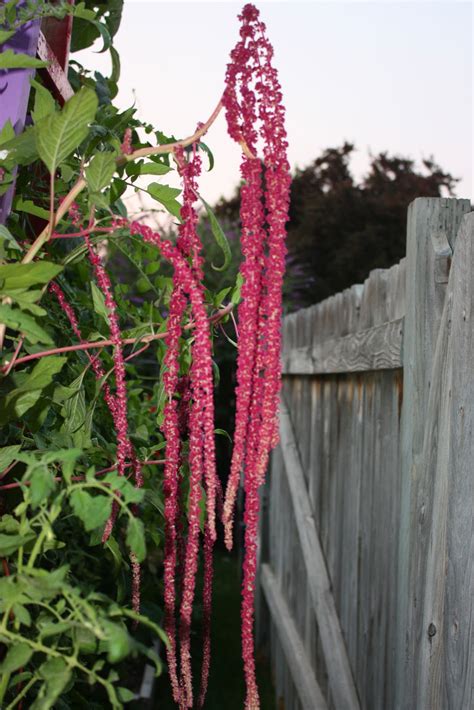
393	76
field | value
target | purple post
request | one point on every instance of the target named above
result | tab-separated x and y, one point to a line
14	93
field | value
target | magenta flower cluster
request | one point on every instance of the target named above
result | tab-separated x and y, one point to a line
255	117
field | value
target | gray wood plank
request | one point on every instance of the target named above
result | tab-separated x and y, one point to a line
446	655
426	216
377	348
337	663
304	679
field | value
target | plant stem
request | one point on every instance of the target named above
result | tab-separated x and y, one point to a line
104	343
22	693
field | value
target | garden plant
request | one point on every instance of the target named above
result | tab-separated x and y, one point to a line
107	460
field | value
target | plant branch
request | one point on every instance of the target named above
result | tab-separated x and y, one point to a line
146	339
102	472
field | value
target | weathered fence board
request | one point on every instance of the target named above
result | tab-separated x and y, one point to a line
377	348
370	492
337	663
426	217
308	689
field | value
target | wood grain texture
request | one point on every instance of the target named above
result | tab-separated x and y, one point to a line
377	348
426	217
305	682
446	655
337	663
385	479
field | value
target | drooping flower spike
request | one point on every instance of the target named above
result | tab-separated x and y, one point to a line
255	118
111	403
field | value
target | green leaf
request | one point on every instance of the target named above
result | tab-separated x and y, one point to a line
24	397
10	543
99	302
22	614
136	538
100	171
93	511
207	150
24	323
118	642
60	133
74	409
21	149
44	102
8	455
56	675
7	133
25	275
28	206
166	195
42	375
139	168
17	656
12	60
7	241
42	483
5	35
219	236
235	296
125	695
26	300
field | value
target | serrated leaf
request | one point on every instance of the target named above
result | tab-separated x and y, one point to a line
8	455
100	171
25	275
166	195
16	60
93	511
136	538
219	236
24	323
17	656
60	133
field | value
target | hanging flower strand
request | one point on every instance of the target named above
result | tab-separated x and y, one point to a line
253	95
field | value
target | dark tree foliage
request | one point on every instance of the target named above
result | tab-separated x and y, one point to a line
340	228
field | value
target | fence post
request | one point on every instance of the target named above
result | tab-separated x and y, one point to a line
431	230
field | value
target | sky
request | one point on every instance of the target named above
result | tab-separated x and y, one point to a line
394	76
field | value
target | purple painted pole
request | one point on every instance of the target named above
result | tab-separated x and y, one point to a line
14	93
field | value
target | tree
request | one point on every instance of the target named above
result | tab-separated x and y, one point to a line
340	228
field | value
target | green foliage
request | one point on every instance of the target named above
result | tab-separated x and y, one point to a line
166	195
15	60
61	132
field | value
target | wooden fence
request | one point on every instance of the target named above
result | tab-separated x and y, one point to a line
366	569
